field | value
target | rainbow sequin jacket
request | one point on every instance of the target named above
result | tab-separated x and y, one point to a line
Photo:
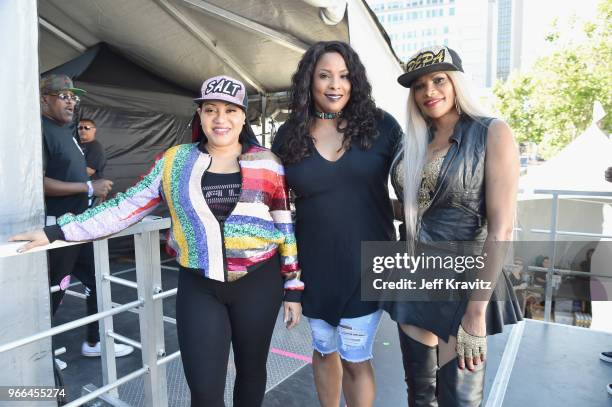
259	226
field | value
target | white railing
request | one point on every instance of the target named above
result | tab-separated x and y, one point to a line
148	306
553	232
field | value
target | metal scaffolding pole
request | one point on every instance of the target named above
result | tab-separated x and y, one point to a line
105	302
148	275
264	105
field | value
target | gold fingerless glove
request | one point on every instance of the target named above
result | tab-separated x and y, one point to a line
469	345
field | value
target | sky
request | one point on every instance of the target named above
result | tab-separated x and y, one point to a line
538	20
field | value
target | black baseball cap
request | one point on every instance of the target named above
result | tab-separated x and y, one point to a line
430	59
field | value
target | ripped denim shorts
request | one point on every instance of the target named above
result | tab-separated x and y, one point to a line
353	338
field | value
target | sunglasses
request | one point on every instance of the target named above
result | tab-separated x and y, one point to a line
66	97
85	127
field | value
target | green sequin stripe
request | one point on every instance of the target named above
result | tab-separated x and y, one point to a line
290	239
246	230
178	165
145	183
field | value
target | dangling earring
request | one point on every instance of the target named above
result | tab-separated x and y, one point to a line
457	107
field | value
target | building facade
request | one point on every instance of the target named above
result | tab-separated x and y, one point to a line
468	26
493	37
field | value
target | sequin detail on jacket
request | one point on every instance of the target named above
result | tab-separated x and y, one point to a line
259	226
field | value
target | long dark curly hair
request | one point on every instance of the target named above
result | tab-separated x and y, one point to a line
360	112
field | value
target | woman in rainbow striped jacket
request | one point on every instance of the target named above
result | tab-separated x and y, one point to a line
233	234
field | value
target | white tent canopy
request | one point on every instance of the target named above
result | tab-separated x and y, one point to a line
580	166
258	41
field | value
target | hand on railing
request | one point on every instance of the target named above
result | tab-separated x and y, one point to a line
35	237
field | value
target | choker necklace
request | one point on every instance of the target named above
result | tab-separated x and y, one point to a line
322	115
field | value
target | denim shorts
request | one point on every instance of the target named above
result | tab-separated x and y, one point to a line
353	338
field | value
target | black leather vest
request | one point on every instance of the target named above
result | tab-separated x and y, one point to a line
458	209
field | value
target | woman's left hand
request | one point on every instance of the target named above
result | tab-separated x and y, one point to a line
36	238
472	341
293	313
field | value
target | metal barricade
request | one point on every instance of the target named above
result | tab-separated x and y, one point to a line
553	233
148	306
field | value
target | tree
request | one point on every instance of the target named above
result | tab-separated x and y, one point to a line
552	103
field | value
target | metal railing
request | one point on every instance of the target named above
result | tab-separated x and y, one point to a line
553	232
148	306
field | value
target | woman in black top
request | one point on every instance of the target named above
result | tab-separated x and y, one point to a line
457	176
337	149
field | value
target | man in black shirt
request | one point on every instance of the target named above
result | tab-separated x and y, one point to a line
66	187
92	148
94	152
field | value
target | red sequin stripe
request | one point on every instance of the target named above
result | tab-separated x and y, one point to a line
148	205
239	263
259	180
289	268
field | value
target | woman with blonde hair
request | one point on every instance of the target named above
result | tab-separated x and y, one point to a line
457	177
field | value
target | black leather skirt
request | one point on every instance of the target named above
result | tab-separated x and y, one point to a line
442	318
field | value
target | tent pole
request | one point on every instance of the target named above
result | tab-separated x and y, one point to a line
62	35
264	104
286	40
207	39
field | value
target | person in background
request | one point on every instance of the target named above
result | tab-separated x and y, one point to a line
67	188
585	265
517	278
95	160
540	276
582	285
517	270
92	148
233	234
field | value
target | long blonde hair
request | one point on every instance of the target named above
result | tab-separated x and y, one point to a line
415	146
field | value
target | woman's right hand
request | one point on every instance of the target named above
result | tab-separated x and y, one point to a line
293	313
35	237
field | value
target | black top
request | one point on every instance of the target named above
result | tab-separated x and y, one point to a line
458	208
95	158
338	205
63	160
221	192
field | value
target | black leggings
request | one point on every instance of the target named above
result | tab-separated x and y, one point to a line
79	261
211	314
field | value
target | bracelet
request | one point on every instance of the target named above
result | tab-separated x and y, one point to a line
90	190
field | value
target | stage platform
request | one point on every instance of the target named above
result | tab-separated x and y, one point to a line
531	364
